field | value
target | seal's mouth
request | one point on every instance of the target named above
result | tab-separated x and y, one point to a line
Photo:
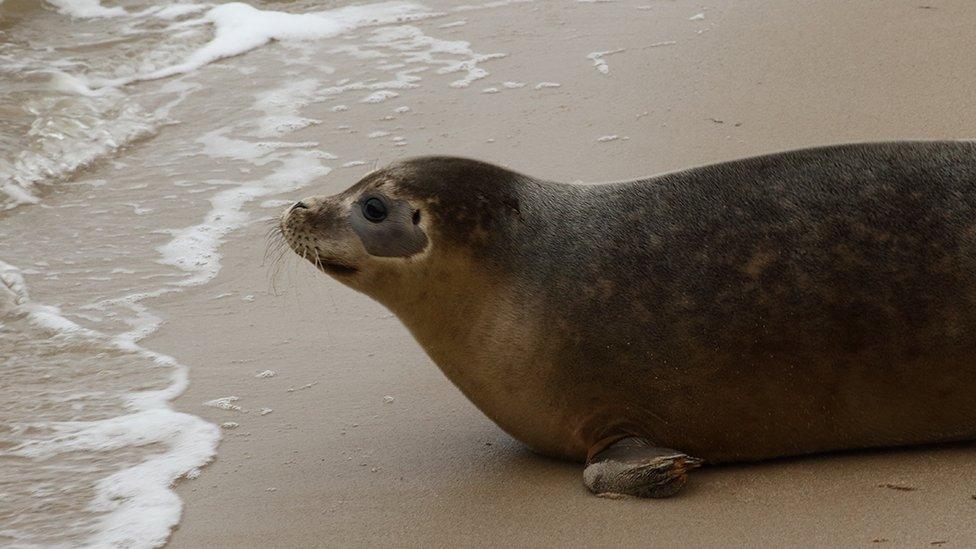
332	266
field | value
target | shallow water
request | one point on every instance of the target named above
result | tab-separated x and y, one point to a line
132	137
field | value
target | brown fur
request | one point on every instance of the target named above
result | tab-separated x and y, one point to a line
802	302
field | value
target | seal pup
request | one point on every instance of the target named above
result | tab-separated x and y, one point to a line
800	302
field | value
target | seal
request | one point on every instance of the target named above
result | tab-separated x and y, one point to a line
800	302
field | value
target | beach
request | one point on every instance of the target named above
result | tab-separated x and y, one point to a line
309	414
336	465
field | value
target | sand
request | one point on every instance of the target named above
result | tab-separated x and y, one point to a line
336	463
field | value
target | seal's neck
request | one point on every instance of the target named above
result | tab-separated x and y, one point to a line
474	327
439	301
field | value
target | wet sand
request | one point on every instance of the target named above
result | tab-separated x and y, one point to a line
336	464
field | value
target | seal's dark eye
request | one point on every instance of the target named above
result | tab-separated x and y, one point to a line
374	210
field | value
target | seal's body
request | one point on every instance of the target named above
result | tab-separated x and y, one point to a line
800	302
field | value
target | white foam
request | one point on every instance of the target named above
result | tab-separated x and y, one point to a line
281	108
266	374
218	145
452	24
15	298
224	403
175	11
64	82
15	195
140	505
489	5
544	85
276	203
194	248
697	17
86	9
600	63
379	96
420	48
137	503
239	28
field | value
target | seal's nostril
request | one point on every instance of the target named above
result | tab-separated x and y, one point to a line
300	205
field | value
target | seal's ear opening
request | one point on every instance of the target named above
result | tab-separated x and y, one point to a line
416	217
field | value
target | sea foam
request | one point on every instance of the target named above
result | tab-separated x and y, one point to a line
136	504
239	28
86	8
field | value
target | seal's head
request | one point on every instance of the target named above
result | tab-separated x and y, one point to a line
413	220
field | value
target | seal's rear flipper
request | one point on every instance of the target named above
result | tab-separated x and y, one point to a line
634	467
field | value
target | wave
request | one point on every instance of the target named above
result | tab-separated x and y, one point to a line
136	504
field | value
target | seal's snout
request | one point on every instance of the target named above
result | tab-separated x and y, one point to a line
317	230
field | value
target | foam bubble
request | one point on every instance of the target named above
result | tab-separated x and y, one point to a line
282	105
86	9
600	63
420	48
175	11
224	403
379	96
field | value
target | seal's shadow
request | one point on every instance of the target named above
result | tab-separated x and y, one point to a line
906	468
